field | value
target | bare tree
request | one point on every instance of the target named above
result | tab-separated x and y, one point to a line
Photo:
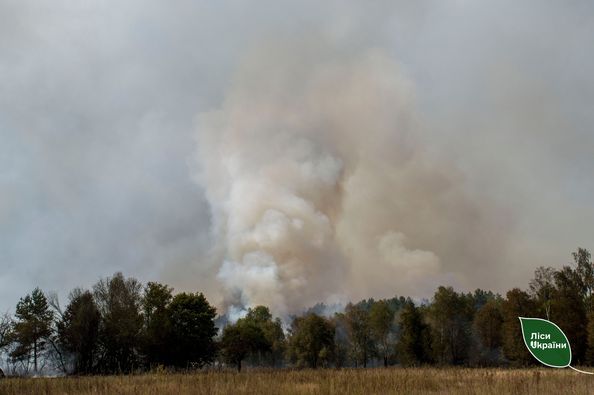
542	287
56	353
5	329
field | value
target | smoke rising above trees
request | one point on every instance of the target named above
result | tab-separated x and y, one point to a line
445	143
319	181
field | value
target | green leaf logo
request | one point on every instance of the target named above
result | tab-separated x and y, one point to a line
546	342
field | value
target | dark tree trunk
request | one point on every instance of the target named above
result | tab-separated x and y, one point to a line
35	356
239	366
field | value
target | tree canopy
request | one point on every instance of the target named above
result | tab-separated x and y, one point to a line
121	326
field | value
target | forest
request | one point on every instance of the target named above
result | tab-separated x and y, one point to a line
121	326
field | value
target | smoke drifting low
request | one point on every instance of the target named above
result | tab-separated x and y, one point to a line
321	187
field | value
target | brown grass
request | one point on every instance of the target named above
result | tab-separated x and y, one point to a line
344	382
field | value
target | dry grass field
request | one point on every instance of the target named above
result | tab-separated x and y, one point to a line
346	381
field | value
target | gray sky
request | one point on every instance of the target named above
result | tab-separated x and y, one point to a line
99	152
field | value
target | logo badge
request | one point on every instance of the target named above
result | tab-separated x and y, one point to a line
547	343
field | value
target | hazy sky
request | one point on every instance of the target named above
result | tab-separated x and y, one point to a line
101	147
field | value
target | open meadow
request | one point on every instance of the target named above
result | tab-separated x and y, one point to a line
346	381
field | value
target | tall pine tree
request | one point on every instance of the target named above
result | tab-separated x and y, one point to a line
32	327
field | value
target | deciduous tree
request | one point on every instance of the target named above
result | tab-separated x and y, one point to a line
450	317
156	339
311	341
118	300
192	330
569	311
360	334
542	287
516	304
415	342
261	317
381	319
487	321
78	331
240	339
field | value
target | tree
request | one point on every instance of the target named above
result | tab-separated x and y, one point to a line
517	304
78	330
192	330
234	345
414	343
481	297
360	335
56	354
32	327
311	341
341	340
118	300
381	318
585	272
488	320
156	339
272	330
450	316
397	303
275	336
5	332
542	288
569	310
240	339
6	325
590	340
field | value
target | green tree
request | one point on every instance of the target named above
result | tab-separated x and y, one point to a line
32	327
360	334
341	340
274	349
234	345
450	317
517	304
569	311
585	271
488	320
240	339
381	319
192	330
311	341
156	340
481	297
590	340
415	342
118	300
78	331
273	331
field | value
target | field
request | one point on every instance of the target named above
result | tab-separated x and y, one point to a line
346	381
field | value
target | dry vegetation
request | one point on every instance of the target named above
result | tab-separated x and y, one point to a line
346	381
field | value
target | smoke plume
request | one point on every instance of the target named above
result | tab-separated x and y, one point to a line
346	149
320	185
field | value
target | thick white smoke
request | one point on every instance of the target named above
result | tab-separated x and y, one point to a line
316	174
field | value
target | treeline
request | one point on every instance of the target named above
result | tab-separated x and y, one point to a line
121	326
118	327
